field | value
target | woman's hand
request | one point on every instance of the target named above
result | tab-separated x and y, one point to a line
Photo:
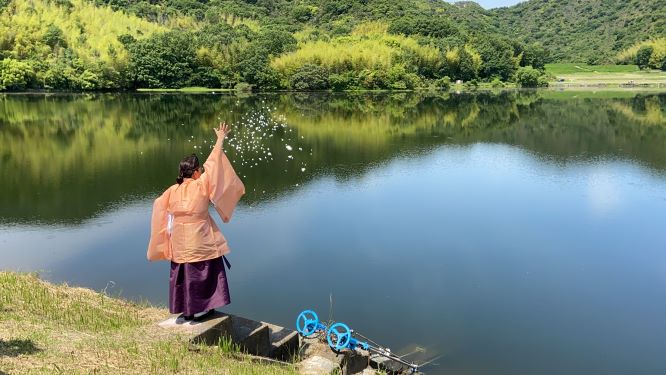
222	131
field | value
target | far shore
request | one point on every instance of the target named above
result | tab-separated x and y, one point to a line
456	88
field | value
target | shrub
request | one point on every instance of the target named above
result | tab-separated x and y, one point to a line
472	84
344	81
88	80
543	80
309	77
530	77
412	80
243	87
496	83
444	83
15	75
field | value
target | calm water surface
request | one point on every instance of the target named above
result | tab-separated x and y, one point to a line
513	233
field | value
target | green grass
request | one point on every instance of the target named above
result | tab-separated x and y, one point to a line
607	76
58	329
572	68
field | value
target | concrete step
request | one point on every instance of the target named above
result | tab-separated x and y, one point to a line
252	336
208	331
284	342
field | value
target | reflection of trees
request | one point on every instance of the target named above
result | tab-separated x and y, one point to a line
66	157
644	110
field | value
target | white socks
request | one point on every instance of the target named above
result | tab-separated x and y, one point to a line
202	313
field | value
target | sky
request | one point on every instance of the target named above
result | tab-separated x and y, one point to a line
493	3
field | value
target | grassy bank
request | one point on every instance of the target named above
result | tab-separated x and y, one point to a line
54	329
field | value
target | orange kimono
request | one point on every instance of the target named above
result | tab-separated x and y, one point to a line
181	228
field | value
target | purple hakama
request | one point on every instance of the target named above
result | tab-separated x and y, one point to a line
198	286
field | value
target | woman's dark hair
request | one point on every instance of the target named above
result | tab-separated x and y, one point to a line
188	166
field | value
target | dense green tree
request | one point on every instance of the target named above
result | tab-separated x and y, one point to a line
275	41
534	55
164	60
497	56
252	66
62	74
643	56
462	66
54	37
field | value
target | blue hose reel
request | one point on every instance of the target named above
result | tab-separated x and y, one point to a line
339	336
307	323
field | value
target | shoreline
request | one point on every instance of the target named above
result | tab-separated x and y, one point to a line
455	88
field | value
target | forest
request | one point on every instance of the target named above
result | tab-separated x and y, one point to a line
285	45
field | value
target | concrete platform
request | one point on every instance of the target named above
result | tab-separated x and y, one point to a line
252	336
208	331
284	342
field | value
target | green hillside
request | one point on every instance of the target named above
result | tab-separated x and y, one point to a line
589	31
310	44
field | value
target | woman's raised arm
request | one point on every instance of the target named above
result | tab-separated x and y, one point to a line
222	185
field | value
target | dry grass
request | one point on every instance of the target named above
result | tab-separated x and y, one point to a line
53	329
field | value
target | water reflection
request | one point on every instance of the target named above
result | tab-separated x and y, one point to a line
67	158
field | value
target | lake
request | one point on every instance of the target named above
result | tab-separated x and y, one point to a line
518	232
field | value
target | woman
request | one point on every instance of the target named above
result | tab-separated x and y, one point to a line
183	232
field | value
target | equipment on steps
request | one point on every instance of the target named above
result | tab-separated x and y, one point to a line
339	337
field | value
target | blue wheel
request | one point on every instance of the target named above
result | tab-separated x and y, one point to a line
338	336
307	323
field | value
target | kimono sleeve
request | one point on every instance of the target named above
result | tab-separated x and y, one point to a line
159	245
224	187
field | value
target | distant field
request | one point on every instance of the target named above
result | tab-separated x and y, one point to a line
583	75
572	68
